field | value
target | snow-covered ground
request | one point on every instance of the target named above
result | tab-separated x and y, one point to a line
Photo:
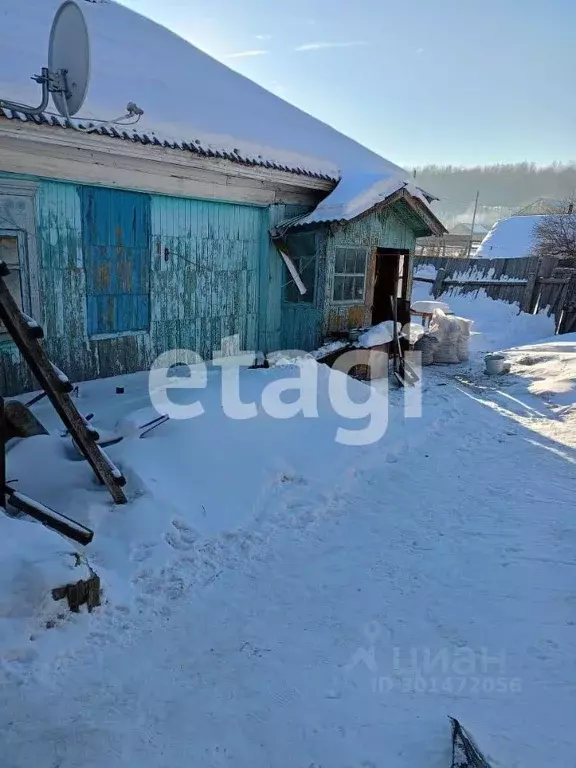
274	598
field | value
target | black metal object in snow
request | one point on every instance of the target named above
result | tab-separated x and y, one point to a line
57	388
146	428
465	753
35	399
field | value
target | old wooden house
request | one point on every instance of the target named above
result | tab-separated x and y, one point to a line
126	240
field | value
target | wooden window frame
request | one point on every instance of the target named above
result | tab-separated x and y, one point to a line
23	273
359	300
18	219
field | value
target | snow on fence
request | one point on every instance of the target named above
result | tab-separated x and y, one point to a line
533	283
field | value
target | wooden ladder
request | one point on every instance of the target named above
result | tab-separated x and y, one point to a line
26	334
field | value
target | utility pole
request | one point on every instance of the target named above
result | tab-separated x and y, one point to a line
473	223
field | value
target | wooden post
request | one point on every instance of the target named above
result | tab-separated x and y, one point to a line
437	287
568	309
559	305
531	290
469	249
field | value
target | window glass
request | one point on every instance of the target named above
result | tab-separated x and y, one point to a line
349	274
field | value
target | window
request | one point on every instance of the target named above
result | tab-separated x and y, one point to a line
10	253
302	251
350	274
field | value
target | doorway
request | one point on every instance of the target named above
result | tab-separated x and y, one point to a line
391	279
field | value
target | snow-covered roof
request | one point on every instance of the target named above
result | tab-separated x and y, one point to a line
463	228
356	194
190	100
512	238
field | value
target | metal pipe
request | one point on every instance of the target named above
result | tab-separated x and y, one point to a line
26	108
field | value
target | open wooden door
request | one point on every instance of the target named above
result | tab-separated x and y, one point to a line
391	279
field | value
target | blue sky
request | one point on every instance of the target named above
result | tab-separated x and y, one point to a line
449	81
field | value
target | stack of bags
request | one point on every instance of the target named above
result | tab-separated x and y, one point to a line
447	340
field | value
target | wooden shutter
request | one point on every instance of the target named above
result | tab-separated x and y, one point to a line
116	243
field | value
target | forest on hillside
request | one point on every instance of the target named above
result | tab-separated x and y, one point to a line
503	188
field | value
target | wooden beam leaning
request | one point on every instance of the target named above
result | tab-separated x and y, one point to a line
57	388
50	518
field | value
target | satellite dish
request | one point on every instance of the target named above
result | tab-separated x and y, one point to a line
69	50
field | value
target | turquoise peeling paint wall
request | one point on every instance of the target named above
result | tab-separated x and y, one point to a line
205	273
208	262
210	268
304	325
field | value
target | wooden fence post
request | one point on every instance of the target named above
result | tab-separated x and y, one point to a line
567	312
531	291
437	287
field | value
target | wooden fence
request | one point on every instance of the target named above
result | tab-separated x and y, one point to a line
533	283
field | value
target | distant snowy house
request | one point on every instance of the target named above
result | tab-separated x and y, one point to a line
128	240
512	238
463	228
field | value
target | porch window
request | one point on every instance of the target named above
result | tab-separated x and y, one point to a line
350	274
302	251
10	254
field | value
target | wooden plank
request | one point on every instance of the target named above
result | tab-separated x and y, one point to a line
437	288
529	297
482	283
56	389
139	174
116	241
162	161
553	280
48	517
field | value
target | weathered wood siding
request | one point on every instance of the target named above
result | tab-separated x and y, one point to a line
116	248
57	279
303	324
204	265
205	273
533	283
184	274
388	228
287	326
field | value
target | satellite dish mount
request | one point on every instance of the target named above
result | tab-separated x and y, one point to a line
68	72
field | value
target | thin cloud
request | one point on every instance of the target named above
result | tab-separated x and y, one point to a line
419	51
263	37
244	54
323	46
